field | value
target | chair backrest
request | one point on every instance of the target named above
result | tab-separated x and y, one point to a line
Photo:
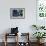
14	30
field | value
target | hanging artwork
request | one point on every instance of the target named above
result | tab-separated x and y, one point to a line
17	13
41	8
41	12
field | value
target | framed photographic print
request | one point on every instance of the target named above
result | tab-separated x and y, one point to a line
41	12
17	13
41	8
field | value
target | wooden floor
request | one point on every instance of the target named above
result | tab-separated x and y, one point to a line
13	44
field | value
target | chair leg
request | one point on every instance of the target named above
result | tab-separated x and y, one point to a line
5	40
5	43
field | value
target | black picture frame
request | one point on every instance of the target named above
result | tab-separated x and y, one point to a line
17	13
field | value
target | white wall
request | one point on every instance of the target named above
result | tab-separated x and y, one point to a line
23	24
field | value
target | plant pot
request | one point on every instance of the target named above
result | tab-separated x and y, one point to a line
40	41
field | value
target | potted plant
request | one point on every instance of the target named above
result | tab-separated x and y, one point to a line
38	27
35	26
39	35
42	27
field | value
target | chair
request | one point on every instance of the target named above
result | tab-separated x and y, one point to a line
14	32
25	36
7	35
